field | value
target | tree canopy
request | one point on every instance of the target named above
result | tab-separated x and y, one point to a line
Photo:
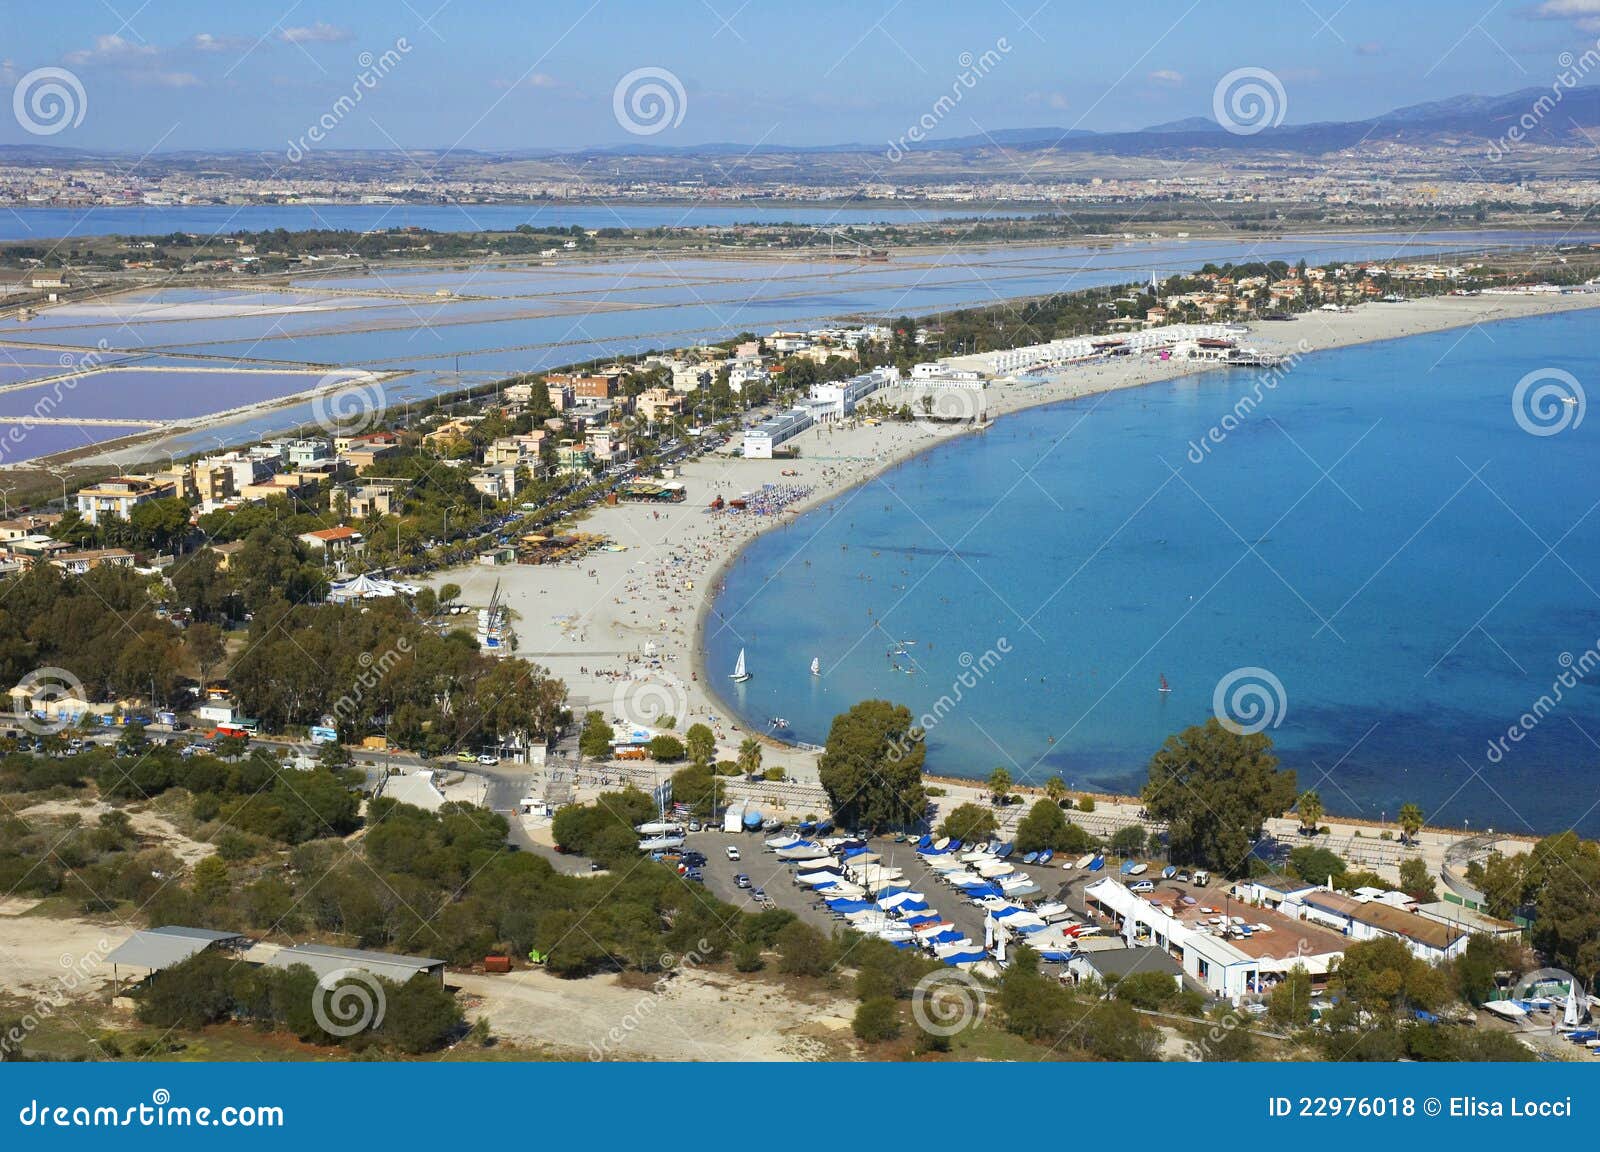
872	766
1215	787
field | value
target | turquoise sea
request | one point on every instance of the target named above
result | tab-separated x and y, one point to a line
1379	555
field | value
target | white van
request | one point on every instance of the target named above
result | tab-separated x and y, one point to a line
1201	878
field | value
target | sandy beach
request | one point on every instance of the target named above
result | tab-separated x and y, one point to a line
624	629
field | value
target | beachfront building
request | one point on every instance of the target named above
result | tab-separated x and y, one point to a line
118	496
837	399
1006	361
760	441
1233	949
1368	919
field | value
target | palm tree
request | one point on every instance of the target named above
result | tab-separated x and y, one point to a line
1310	809
1054	789
750	756
1410	822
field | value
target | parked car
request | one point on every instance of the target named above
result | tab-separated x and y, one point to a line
488	759
741	881
758	894
466	758
733	853
1142	886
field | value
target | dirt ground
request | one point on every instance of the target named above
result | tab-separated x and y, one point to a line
695	1016
145	823
42	957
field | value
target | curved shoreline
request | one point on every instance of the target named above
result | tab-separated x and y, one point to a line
1431	315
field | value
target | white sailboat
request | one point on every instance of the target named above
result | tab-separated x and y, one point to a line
740	673
816	666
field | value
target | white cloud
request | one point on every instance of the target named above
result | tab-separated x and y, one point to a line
1584	13
1166	76
110	49
206	42
318	33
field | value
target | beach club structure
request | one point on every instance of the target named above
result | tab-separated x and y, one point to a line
1232	948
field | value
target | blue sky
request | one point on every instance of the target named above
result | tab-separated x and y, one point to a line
487	74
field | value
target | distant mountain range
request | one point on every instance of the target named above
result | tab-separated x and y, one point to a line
1459	121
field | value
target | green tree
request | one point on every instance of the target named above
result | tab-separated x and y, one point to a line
749	756
700	788
1047	826
211	882
666	749
876	1020
1289	1003
701	743
999	784
1128	840
1215	787
872	766
1416	881
204	646
1410	819
1309	808
1055	790
969	823
803	951
595	740
1317	865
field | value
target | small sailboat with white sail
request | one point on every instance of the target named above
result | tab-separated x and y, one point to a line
741	673
816	666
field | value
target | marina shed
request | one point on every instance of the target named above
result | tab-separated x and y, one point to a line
328	961
154	949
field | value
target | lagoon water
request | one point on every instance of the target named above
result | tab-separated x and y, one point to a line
1380	535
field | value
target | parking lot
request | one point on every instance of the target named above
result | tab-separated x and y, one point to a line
774	876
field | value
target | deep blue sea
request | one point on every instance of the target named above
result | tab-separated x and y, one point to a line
1380	536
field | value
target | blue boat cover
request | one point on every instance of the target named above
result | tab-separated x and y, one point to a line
964	958
843	905
925	842
885	893
948	936
1002	913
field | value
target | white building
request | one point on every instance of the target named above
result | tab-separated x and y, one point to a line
1431	940
838	399
760	441
1233	949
